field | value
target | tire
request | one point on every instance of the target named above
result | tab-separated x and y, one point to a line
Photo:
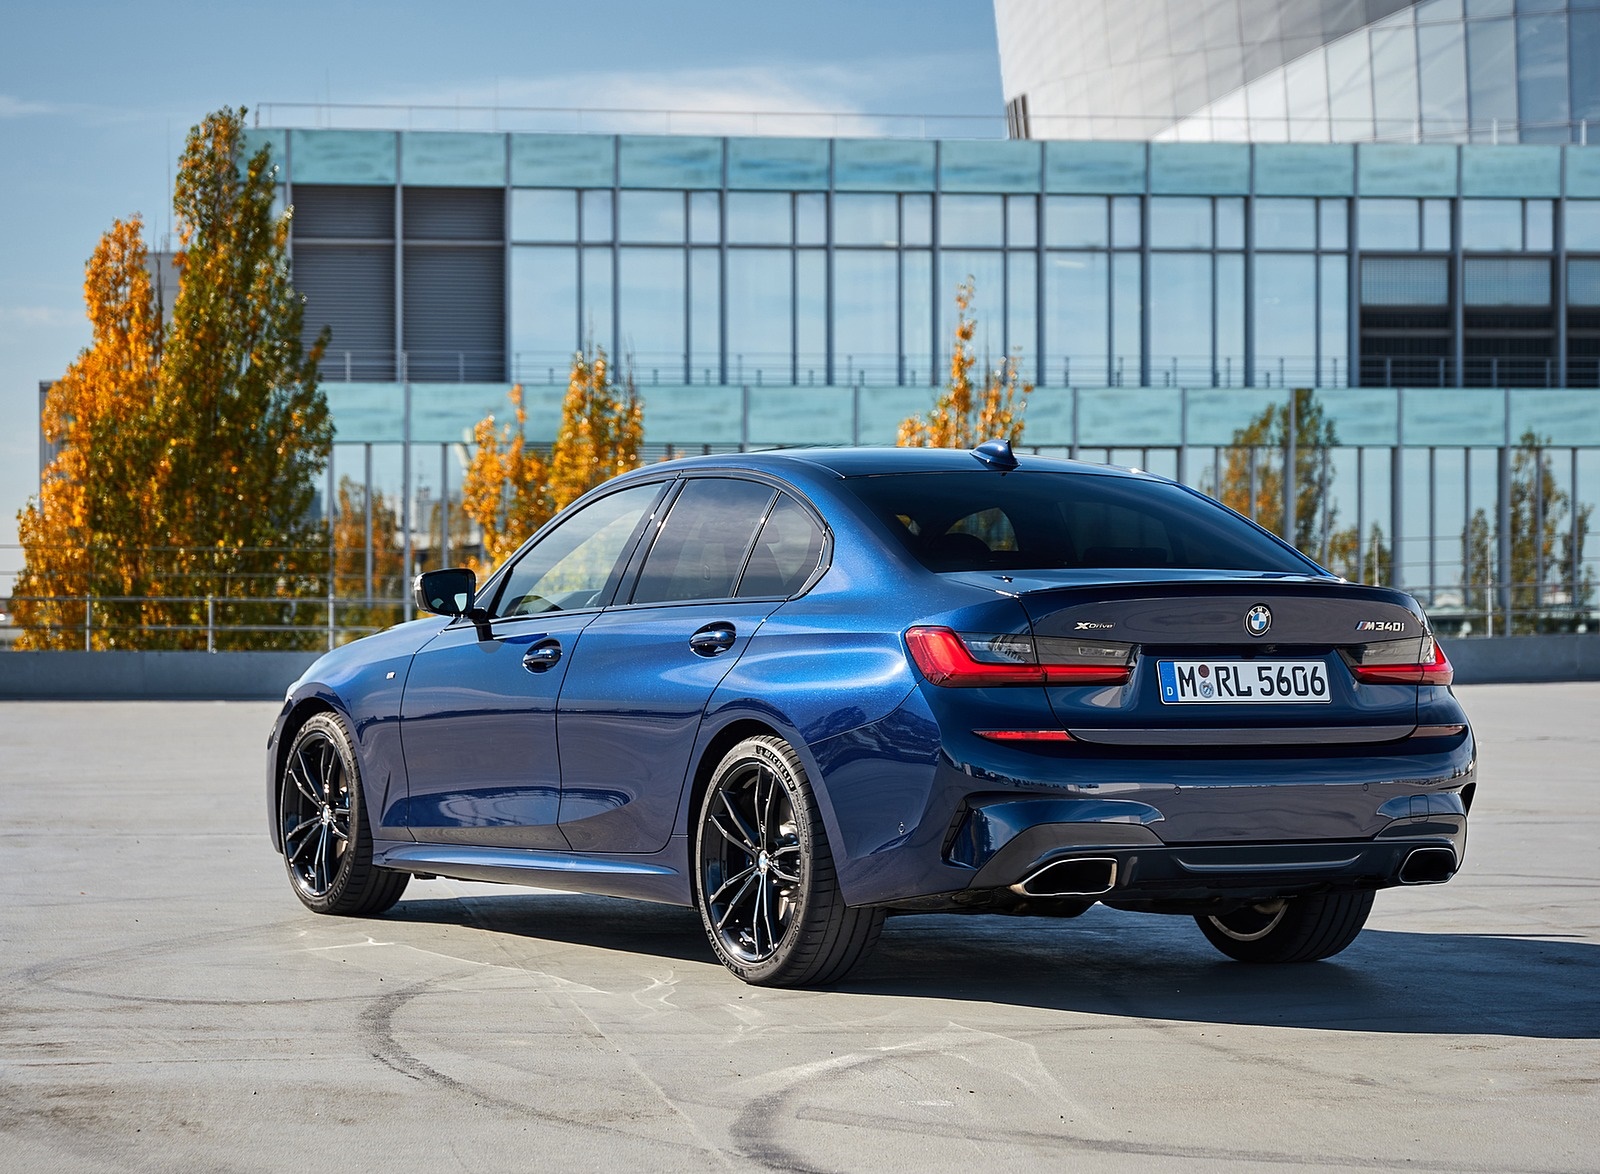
327	847
764	878
1292	929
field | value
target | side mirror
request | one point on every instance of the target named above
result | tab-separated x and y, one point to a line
450	592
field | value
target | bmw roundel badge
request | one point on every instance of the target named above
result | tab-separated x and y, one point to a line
1258	620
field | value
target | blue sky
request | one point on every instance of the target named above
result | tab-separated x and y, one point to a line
95	99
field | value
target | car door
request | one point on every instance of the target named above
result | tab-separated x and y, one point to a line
478	716
645	669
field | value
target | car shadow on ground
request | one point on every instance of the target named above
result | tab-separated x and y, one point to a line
1131	965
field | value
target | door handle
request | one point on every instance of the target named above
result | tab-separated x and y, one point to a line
542	656
712	639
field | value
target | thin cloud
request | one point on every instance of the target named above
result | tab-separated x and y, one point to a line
14	107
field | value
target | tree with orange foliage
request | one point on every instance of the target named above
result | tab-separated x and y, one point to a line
511	489
98	511
963	416
187	455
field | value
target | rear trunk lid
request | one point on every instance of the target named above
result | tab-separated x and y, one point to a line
1229	659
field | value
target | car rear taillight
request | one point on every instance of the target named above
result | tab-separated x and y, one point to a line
1401	662
1025	735
969	661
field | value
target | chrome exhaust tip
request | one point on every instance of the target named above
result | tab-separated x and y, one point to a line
1428	866
1084	877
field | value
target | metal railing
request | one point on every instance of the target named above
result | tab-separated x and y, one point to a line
1206	125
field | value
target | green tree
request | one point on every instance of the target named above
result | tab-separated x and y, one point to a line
1546	544
964	415
247	427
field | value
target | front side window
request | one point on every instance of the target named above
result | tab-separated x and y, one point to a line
704	541
572	567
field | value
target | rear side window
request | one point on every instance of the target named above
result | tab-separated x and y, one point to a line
786	552
1045	521
703	543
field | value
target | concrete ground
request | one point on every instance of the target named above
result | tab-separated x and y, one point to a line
166	1003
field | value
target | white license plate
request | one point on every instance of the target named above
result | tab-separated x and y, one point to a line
1185	682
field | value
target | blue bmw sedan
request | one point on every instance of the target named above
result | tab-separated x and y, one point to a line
802	690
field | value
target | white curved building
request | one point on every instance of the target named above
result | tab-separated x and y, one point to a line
1301	70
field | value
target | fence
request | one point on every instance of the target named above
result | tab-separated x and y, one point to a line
1491	539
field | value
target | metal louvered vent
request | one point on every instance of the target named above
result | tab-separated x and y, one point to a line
342	213
350	289
455	313
457	214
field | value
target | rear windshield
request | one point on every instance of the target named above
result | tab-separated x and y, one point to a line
981	521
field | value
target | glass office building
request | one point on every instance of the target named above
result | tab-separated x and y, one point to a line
1482	71
441	258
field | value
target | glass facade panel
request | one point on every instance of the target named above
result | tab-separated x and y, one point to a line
1075	222
1022	221
598	323
669	161
1125	229
544	301
863	219
595	215
1583	27
1538	225
759	218
1394	81
1583	283
1333	217
1350	87
916	220
916	315
1583	225
811	218
781	163
971	220
1230	320
882	165
1180	319
984	270
811	316
705	316
1333	321
705	218
651	216
544	215
1442	60
651	290
760	322
1127	316
1506	281
1285	320
1388	224
1542	78
865	316
1077	318
1095	167
1180	222
1022	312
1491	226
563	161
1285	224
1436	225
1405	281
1306	84
1492	79
989	165
1230	222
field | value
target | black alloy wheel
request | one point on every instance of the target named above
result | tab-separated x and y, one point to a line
765	881
326	845
1289	929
